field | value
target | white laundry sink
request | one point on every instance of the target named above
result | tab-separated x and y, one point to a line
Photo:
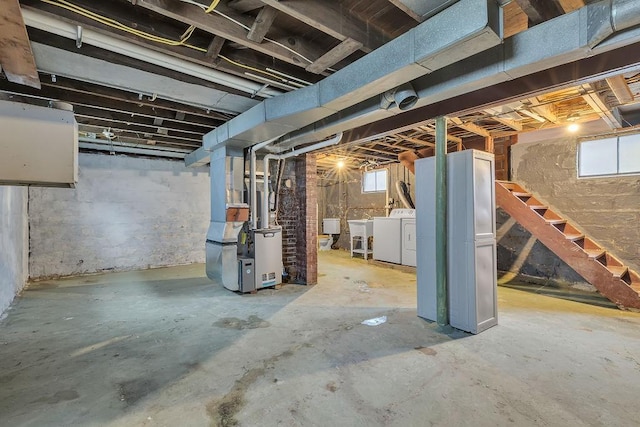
360	231
360	227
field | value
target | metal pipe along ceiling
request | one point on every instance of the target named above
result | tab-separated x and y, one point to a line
42	21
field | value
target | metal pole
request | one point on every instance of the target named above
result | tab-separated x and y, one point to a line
441	222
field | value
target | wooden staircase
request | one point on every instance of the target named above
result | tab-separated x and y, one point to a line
611	277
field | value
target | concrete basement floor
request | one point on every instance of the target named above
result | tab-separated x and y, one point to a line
167	347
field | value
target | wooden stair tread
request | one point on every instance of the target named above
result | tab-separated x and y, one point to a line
574	237
595	253
555	221
617	282
617	271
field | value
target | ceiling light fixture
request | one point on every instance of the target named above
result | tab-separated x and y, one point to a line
573	127
340	164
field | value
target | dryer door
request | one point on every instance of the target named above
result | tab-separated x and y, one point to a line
409	242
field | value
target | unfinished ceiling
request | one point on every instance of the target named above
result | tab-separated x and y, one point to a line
180	68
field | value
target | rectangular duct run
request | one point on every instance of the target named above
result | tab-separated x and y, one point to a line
462	30
38	146
228	214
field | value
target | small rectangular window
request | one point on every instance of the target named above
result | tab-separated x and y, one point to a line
599	157
374	181
609	156
629	149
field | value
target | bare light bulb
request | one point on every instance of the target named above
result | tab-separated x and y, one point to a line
573	127
340	164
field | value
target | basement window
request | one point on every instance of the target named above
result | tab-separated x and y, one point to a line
610	156
374	181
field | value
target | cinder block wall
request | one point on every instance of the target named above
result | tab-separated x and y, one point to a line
14	243
126	213
607	209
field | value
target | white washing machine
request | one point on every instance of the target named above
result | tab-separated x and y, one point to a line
387	235
409	242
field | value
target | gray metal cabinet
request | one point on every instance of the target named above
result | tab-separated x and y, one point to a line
471	244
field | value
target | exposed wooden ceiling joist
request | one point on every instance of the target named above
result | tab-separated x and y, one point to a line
470	127
540	10
375	150
432	131
328	18
620	89
515	20
542	109
245	5
335	55
209	59
517	126
69	90
400	4
417	141
220	26
214	48
599	105
571	5
262	24
16	57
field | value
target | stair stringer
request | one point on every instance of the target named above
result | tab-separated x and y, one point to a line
594	272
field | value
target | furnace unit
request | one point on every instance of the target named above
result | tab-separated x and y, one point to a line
267	252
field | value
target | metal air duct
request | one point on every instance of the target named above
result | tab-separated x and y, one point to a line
404	97
462	30
228	213
565	38
610	16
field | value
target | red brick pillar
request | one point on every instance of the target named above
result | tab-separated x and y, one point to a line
307	222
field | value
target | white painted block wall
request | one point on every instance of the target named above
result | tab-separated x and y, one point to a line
14	246
126	213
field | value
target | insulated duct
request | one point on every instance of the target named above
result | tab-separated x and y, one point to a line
462	30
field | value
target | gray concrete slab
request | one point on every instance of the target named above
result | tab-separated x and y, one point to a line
167	347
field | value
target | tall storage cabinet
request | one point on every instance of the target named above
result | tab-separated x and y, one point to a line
471	246
471	243
426	237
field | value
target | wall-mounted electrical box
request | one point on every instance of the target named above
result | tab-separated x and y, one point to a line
38	146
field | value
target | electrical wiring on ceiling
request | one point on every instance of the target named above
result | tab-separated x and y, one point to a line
118	25
212	8
158	39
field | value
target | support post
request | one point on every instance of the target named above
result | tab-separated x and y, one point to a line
489	146
441	221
